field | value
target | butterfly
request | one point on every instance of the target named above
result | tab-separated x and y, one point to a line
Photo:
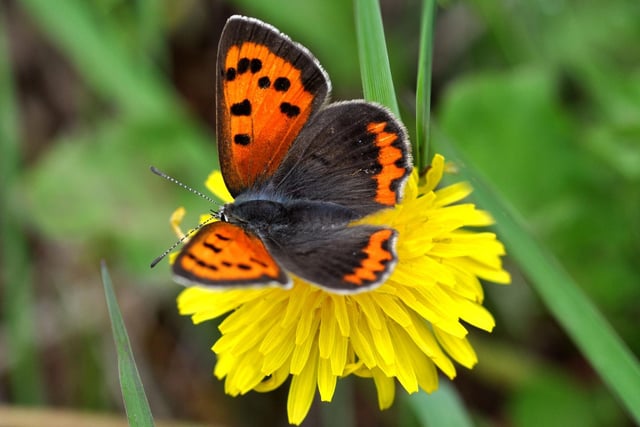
301	171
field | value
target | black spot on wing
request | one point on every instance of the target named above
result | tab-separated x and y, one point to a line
255	66
213	248
257	261
230	75
282	84
289	110
241	139
264	82
241	108
201	263
243	65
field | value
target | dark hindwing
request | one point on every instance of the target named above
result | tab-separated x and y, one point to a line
353	153
267	89
342	260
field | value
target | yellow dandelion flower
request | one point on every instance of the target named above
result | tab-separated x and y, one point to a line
404	330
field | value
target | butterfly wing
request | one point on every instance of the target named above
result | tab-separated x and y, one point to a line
222	255
353	153
342	260
268	87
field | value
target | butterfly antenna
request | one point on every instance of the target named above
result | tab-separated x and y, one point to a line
182	239
185	186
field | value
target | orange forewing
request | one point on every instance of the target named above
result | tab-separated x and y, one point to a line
264	105
223	254
378	256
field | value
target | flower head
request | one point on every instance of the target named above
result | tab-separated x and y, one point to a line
406	329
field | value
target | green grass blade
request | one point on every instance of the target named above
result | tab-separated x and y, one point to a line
423	86
135	400
442	408
17	292
586	326
377	83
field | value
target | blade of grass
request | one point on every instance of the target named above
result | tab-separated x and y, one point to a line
377	83
17	295
586	326
423	86
442	408
135	400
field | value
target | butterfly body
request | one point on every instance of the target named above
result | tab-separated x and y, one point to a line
271	219
301	173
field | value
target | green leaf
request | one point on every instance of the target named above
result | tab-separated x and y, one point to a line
555	400
375	70
508	118
135	400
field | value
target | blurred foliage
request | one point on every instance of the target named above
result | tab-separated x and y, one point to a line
542	96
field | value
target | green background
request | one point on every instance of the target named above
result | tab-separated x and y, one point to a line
542	97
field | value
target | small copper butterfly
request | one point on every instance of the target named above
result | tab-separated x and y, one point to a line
301	172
